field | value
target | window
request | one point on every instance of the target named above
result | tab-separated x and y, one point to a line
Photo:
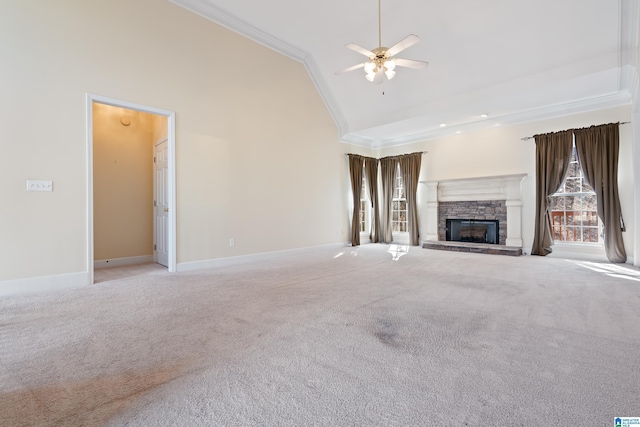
573	209
363	205
399	205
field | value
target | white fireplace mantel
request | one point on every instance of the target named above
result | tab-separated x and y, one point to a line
503	187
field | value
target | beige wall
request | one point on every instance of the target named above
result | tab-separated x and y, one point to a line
160	128
500	151
257	153
123	181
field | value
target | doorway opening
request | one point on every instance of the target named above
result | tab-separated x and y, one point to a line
131	185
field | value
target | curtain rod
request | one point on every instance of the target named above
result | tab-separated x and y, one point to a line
347	154
526	138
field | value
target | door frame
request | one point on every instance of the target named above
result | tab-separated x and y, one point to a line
171	139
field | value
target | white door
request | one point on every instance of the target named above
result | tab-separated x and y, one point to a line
160	204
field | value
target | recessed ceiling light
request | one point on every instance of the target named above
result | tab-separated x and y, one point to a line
442	125
484	116
458	132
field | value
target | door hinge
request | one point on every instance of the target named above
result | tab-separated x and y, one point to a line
155	203
155	247
154	159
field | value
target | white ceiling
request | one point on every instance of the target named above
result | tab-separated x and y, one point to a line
514	60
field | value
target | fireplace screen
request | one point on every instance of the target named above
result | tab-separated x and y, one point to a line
473	230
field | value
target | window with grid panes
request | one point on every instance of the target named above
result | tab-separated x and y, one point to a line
573	209
363	205
399	204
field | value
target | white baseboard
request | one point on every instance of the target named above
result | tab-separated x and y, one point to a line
220	262
118	262
43	283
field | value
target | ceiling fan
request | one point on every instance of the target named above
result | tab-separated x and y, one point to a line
381	59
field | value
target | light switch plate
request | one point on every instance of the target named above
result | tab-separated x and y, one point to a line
39	185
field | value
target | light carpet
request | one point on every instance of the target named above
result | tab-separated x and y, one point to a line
334	336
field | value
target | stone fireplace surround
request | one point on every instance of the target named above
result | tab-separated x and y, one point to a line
490	195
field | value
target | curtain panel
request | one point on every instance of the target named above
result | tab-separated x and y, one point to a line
388	167
371	175
598	151
553	153
410	169
355	171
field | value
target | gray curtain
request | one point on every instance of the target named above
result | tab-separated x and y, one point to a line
410	169
371	175
597	148
553	153
356	164
388	167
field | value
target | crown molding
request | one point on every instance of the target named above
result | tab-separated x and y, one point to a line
629	80
227	20
326	95
533	115
358	141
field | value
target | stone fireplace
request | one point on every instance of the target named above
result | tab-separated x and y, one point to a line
473	210
496	198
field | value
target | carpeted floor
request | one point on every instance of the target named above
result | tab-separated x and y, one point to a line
375	335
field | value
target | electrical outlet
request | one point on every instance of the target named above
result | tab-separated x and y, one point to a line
232	242
33	185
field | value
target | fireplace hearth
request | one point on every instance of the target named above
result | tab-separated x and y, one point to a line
473	231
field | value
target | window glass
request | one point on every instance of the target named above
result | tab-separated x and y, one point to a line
573	209
399	205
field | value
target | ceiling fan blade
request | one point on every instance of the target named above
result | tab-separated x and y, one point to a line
359	49
353	67
408	41
410	63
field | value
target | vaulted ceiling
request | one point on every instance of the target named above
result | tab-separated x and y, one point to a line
491	62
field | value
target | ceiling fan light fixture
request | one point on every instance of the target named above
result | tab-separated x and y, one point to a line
390	74
370	67
370	76
390	65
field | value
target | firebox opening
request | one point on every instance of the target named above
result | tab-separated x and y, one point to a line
473	230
